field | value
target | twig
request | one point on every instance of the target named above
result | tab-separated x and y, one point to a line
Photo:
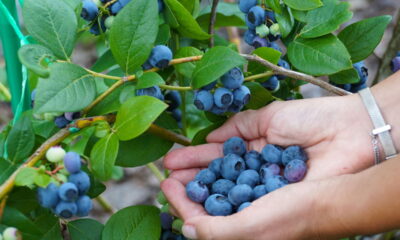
154	169
258	76
169	135
107	207
2	207
109	3
213	18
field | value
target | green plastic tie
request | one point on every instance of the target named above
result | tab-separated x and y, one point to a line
13	24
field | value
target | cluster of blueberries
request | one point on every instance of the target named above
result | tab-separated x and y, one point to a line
232	97
362	71
69	199
395	64
170	227
231	183
10	233
90	12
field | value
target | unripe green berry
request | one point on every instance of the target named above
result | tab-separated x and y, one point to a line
161	199
262	30
55	154
11	233
102	129
165	208
38	116
109	21
275	29
177	225
50	116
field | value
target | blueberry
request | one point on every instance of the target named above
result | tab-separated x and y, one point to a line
346	87
154	91
72	162
222	186
89	10
168	235
246	5
166	221
249	177
259	191
33	94
197	191
174	99
232	166
249	36
117	6
272	84
177	114
147	65
209	86
273	38
234	145
233	108
215	166
223	98
206	176
66	209
160	56
233	79
68	192
272	153
253	160
81	181
85	205
203	100
260	42
241	96
218	111
358	87
275	46
218	205
109	22
240	194
48	197
274	168
243	206
395	64
295	171
284	64
266	173
160	6
275	182
362	71
61	121
70	116
256	16
293	152
270	16
98	27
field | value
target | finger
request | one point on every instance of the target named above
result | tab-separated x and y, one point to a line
176	195
192	157
184	176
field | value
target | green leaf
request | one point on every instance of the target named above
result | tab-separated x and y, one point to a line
320	56
135	152
105	61
53	232
260	97
136	115
285	21
42	179
77	142
144	224
23	199
26	177
215	63
34	57
303	5
326	19
228	14
346	76
190	5
200	137
266	53
300	16
164	34
188	26
149	79
133	34
361	38
103	156
275	5
6	169
111	103
21	140
68	89
85	229
44	128
13	217
186	69
53	24
126	93
96	187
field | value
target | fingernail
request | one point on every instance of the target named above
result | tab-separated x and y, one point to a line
189	231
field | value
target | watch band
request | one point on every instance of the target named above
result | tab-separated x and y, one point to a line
382	130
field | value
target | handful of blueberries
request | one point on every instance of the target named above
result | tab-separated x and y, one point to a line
69	198
231	183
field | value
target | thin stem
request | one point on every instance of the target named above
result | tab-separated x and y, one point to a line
169	135
258	76
109	3
177	88
96	74
2	207
5	92
157	173
213	18
107	207
103	96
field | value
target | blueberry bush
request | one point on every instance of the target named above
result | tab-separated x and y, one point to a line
167	72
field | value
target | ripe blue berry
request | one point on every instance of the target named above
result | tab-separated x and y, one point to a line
85	205
272	153
362	71
117	6
256	16
249	177
243	206
166	221
270	16
48	197
206	176
234	145
154	91
358	87
275	46
222	186
215	166
275	182
218	205
174	100
89	10
147	65
260	42
233	108
98	27
66	209
284	64
72	162
33	94
68	192
232	166
240	194
70	116
223	98
253	160
272	84
197	191
249	36
241	96
246	5
276	170
233	79
177	114
209	86
292	153
266	173
218	111
259	191
61	121
160	56
395	64
295	171
81	181
160	6
204	100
